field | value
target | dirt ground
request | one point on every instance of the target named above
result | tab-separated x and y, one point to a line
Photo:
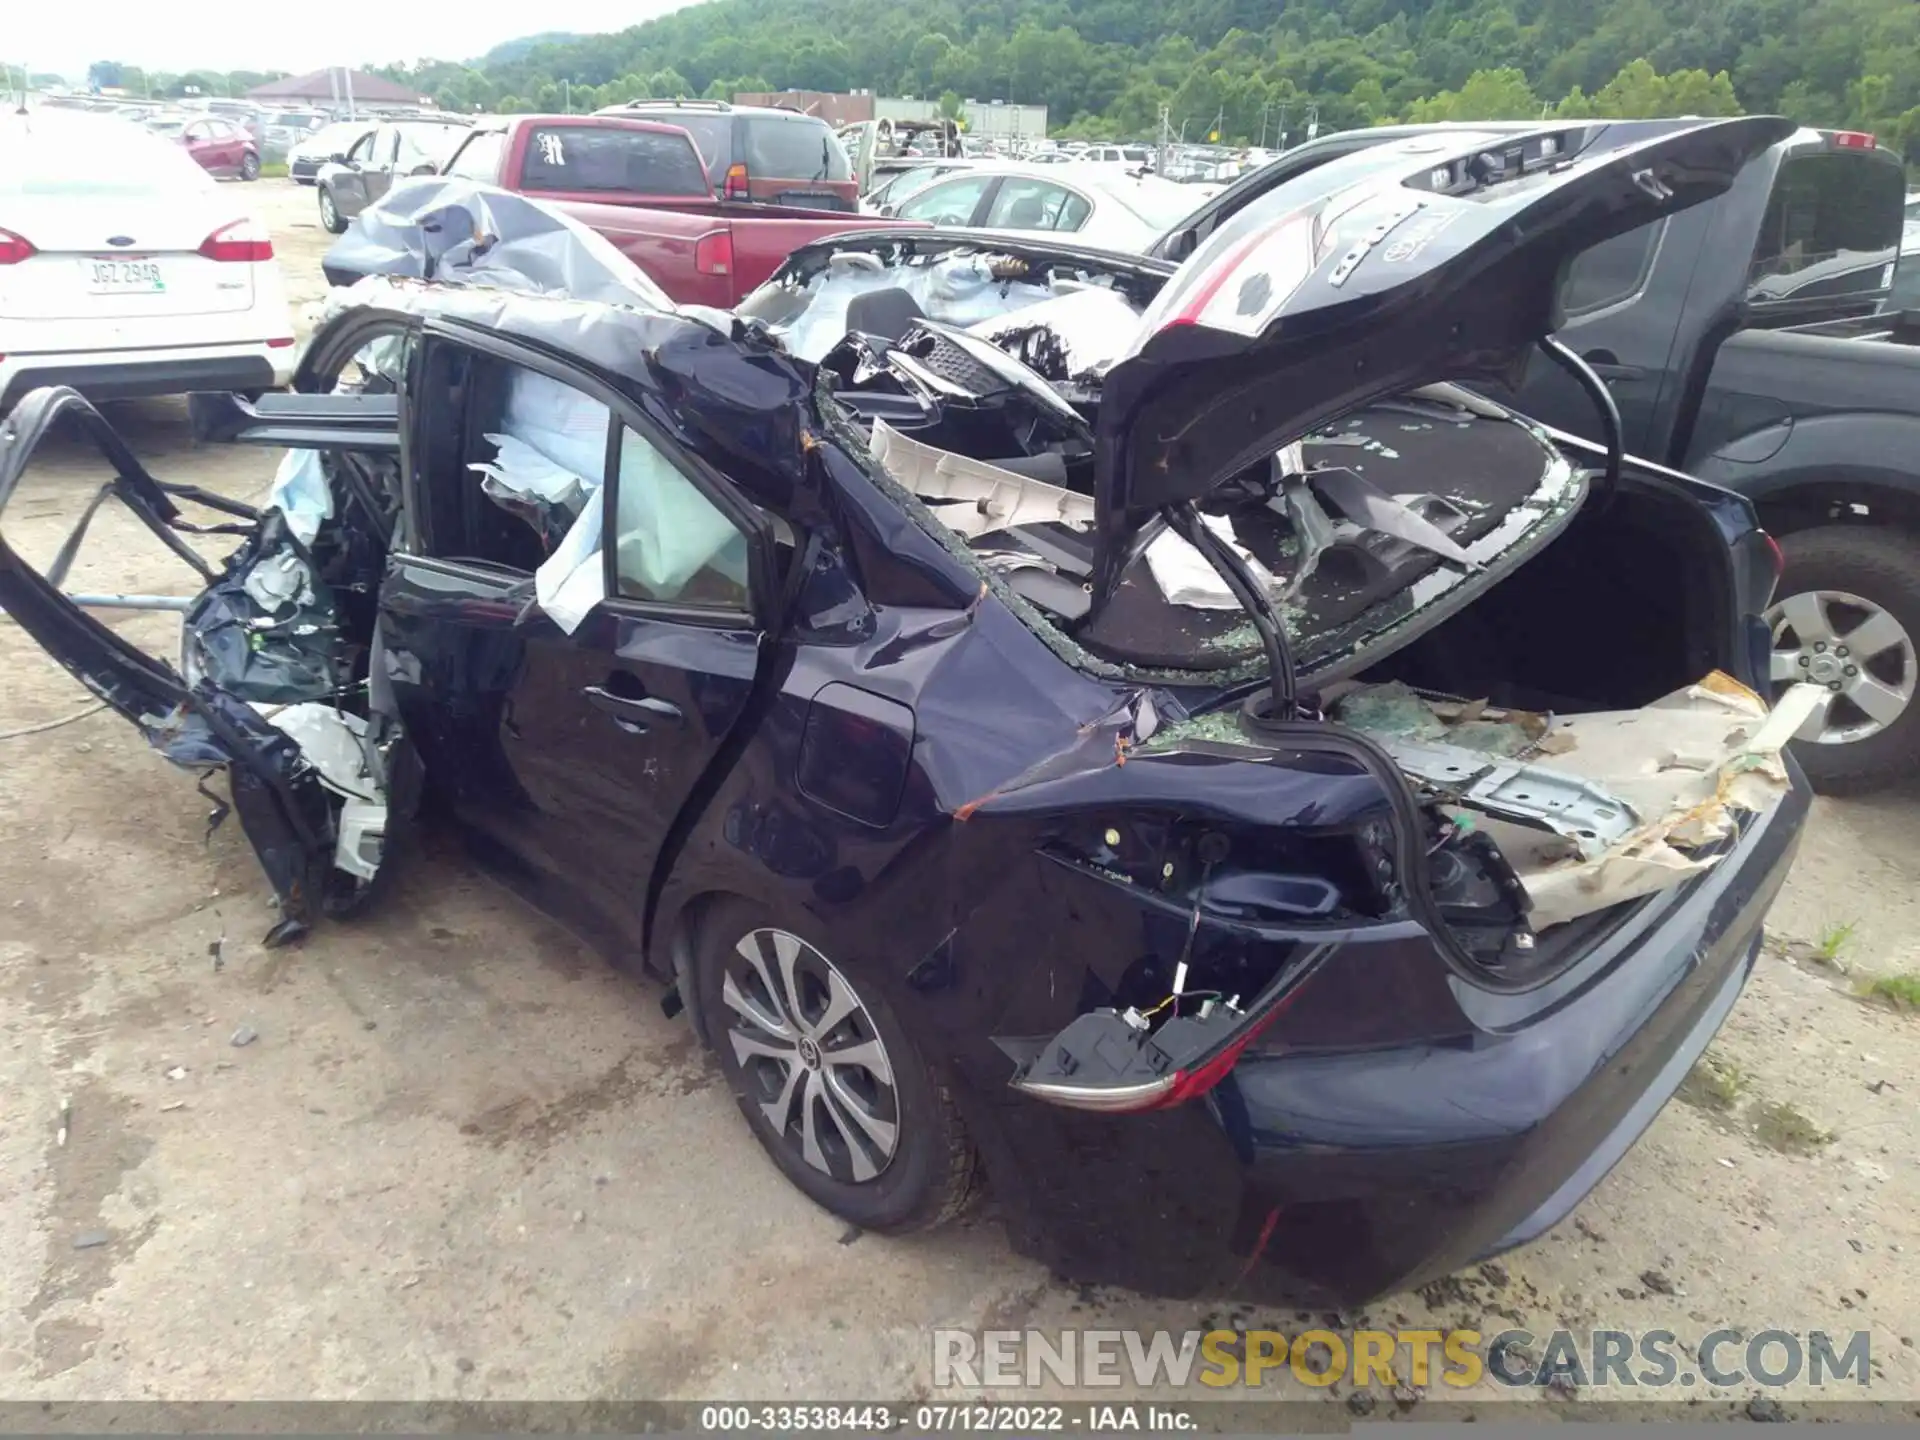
465	1159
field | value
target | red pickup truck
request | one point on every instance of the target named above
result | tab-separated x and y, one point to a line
643	186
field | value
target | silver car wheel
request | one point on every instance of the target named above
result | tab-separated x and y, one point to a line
1852	648
811	1056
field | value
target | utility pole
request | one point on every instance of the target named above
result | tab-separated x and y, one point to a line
566	92
1265	109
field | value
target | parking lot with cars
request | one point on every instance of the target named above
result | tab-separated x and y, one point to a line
445	1150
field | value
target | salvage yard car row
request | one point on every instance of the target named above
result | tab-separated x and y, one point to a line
1139	732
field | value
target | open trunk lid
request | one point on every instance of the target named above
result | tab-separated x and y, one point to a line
1294	313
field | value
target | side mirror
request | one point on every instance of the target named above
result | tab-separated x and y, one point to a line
888	210
339	157
424	169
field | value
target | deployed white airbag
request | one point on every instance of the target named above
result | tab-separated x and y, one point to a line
959	290
552	448
301	492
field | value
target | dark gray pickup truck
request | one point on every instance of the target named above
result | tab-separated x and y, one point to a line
1761	341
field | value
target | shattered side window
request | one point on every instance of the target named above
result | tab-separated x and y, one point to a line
670	542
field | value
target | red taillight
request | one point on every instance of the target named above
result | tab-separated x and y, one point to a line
243	241
282	343
1122	1073
713	254
735	186
15	248
1776	554
1853	139
1191	1084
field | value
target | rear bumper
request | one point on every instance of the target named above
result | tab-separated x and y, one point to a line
1332	1179
121	374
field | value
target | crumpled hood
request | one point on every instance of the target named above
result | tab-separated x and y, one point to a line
462	232
1444	269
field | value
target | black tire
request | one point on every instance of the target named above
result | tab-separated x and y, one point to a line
1881	566
331	220
250	166
930	1176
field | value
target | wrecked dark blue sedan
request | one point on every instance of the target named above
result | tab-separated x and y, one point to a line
1157	742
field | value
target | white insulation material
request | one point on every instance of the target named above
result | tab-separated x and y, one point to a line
972	497
1686	766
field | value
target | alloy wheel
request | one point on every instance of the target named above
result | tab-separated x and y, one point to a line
811	1058
329	216
1854	649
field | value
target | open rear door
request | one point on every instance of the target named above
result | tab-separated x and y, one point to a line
261	685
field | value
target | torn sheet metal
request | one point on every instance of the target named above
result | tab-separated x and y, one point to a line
1073	335
970	496
1683	769
1586	815
461	232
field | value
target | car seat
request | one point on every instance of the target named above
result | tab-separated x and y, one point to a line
886	314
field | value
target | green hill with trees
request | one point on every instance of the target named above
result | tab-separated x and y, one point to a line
1106	67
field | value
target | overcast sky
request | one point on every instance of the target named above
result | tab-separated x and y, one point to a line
178	34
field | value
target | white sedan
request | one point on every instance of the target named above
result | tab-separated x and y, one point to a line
1103	206
125	269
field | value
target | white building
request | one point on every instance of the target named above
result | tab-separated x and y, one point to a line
985	118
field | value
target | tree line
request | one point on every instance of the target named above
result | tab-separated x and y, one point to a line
1243	69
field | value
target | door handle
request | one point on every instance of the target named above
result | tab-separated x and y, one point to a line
1607	366
635	716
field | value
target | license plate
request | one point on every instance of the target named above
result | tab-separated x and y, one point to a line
111	275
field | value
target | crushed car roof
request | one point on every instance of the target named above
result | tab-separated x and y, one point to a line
462	232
